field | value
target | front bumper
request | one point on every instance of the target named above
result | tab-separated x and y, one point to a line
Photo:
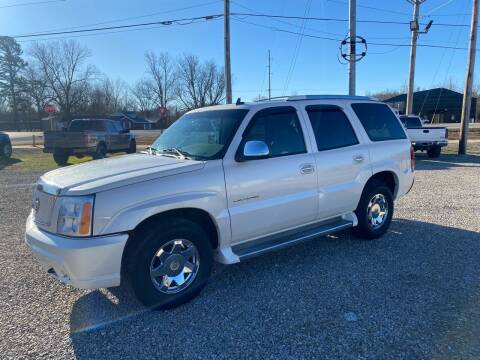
87	263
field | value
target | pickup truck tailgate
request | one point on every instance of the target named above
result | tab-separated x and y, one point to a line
65	139
427	134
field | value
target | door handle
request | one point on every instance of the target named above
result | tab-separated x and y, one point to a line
358	158
307	168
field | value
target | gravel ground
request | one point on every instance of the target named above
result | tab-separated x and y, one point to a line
412	294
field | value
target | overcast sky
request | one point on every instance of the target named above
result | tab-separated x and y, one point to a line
312	63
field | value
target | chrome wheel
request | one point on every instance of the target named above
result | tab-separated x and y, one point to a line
174	266
377	211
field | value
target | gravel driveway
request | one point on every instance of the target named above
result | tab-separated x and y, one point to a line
413	294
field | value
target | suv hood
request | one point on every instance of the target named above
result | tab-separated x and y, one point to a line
106	174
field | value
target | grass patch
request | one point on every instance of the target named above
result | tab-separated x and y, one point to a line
35	159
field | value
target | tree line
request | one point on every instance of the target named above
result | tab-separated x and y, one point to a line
59	74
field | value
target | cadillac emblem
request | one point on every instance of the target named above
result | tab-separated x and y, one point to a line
36	204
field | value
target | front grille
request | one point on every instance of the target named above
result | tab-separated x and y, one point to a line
43	204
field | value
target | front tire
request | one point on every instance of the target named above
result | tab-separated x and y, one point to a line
167	263
132	149
434	152
374	211
61	157
101	152
6	151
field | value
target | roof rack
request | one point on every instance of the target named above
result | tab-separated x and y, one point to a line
317	97
327	97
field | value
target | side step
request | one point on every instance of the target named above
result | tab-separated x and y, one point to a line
289	238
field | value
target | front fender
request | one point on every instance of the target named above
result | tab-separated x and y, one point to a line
128	218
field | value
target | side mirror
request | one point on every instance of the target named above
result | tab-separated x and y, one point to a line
254	150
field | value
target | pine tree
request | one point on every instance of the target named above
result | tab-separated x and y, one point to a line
11	66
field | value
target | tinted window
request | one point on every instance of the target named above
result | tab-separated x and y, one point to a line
203	135
280	129
379	121
411	121
331	127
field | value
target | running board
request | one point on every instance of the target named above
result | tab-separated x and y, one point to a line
289	238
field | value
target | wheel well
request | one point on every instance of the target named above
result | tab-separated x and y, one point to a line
388	178
201	217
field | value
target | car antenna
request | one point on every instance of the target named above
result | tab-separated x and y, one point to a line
239	102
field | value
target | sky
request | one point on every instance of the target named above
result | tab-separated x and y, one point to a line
299	65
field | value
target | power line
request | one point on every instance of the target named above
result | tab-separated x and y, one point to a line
130	17
372	8
31	3
342	20
298	45
183	21
272	28
286	22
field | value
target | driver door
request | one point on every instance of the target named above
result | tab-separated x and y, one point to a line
270	195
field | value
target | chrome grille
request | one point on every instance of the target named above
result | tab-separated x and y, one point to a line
42	205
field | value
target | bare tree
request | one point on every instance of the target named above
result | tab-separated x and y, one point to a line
36	89
161	71
115	92
144	94
199	84
67	75
11	66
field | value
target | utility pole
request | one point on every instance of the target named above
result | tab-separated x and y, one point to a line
467	93
352	30
269	77
228	70
414	28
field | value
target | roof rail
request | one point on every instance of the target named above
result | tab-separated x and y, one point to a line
327	97
272	98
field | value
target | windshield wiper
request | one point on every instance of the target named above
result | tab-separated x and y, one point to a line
180	153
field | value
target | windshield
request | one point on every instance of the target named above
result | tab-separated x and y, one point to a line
202	135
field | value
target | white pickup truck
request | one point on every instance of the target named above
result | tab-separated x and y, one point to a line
227	183
429	139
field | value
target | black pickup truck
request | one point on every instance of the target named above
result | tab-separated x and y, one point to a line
95	137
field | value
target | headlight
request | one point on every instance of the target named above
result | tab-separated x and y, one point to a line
75	215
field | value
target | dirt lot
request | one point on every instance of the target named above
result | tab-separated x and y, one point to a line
413	294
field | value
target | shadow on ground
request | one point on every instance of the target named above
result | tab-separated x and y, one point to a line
8	162
446	161
414	293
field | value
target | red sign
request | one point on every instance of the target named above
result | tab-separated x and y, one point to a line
49	108
162	110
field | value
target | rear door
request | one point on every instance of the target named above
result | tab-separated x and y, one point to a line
342	160
270	195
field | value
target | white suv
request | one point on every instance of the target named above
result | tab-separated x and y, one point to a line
226	183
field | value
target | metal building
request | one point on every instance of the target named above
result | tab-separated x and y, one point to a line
439	105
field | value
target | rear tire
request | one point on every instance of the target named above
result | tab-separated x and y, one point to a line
61	157
101	152
145	254
434	151
6	150
374	211
132	149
